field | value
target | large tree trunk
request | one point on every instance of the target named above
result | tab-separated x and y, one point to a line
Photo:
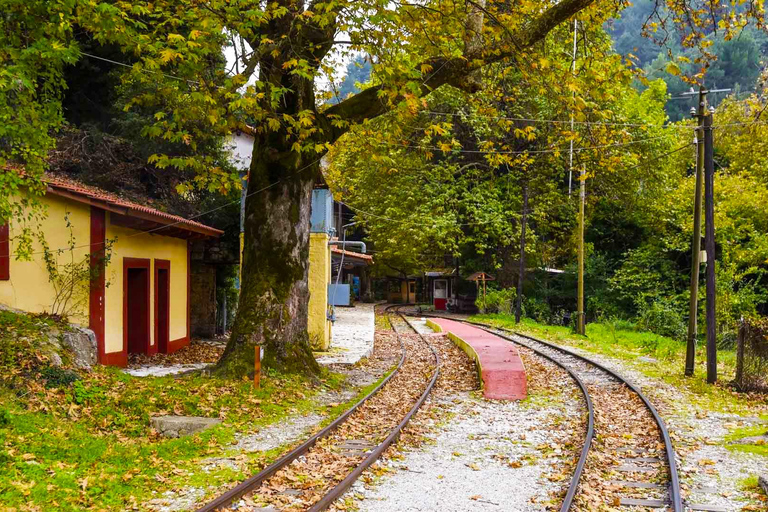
274	294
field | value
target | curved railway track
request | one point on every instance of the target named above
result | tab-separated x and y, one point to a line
253	483
582	369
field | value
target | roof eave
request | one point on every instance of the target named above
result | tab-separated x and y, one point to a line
130	212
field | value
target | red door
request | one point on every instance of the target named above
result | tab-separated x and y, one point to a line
136	305
440	288
162	304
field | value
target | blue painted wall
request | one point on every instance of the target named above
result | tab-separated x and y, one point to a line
322	210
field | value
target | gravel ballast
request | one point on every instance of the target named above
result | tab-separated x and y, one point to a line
462	452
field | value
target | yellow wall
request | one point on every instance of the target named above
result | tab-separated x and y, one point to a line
319	276
403	294
135	244
29	288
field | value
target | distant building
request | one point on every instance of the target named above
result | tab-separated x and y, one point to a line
139	302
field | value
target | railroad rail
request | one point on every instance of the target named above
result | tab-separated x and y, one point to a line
675	499
253	483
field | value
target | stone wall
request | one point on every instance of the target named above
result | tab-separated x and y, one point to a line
202	300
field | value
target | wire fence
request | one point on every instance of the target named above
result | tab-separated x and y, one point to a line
752	355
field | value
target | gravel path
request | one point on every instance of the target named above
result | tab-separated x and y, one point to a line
485	459
351	335
464	453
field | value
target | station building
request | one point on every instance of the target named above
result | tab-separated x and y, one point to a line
135	294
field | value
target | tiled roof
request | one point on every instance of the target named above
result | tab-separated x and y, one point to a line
99	197
351	254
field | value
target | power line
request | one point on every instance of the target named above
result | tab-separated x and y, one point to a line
524	152
165	226
432	224
413	223
557	121
143	70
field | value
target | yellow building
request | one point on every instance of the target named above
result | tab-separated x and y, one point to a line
123	269
319	324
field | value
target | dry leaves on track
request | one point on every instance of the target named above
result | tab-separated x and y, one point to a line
307	479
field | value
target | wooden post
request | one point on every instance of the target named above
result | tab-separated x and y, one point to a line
257	368
741	341
580	323
709	218
690	353
484	303
521	272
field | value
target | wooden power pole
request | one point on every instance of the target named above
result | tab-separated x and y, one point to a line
690	353
521	272
580	321
709	242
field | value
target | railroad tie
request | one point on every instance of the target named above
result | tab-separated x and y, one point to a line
628	468
706	508
641	459
638	485
633	502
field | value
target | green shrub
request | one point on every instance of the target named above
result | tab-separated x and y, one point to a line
5	417
537	309
662	318
497	301
56	377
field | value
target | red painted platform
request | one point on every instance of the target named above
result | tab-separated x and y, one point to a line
501	369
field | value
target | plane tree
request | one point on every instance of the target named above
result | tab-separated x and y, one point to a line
285	49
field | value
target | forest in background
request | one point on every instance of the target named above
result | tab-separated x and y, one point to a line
452	183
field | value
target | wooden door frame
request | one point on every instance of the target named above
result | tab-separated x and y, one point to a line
129	263
162	265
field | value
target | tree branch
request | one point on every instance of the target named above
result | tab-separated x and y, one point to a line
454	71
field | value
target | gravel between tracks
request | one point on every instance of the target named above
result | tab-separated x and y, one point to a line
709	473
308	478
462	452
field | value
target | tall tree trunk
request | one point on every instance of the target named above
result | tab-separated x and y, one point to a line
274	294
273	306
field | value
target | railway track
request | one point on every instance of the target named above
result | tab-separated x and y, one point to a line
641	462
350	444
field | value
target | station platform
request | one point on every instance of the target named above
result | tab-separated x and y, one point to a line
502	372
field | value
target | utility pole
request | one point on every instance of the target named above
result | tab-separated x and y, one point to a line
581	327
690	353
709	216
573	97
521	274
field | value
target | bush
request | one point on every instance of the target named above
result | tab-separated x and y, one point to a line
662	318
497	301
56	377
5	417
537	309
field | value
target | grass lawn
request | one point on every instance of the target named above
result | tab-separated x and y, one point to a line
622	341
71	439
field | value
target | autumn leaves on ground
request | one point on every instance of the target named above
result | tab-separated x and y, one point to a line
73	439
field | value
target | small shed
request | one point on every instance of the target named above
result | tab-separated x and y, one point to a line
441	288
131	279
